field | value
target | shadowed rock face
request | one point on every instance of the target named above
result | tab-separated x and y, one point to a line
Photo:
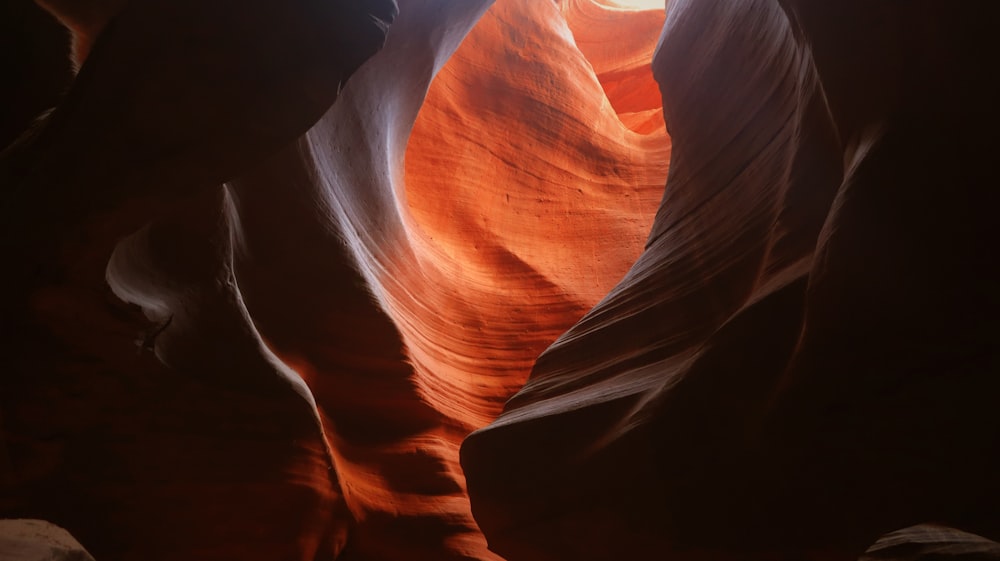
298	353
172	432
428	236
256	307
931	541
805	354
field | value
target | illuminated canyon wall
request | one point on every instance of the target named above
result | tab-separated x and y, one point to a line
351	280
805	353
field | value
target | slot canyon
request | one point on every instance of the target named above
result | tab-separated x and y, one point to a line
486	280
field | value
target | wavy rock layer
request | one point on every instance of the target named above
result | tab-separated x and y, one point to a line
209	448
327	327
479	249
254	310
800	360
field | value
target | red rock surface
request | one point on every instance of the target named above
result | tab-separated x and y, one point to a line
429	217
254	308
805	354
397	301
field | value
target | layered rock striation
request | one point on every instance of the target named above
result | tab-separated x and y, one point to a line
335	310
805	354
351	280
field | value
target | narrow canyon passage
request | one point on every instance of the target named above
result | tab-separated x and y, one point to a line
430	280
396	270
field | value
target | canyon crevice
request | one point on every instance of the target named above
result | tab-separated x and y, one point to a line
430	280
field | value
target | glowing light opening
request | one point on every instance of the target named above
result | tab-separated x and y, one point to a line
640	4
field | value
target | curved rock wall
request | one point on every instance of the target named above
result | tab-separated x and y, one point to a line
429	217
803	353
389	276
747	194
255	307
175	433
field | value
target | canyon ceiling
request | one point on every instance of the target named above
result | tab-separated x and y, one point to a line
534	280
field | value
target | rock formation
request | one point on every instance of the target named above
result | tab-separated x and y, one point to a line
342	313
805	354
206	447
926	542
272	263
36	540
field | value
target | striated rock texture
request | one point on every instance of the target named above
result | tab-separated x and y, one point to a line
209	448
805	355
926	542
271	263
298	330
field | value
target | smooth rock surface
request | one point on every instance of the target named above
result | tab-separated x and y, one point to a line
804	357
37	540
319	334
253	309
146	441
